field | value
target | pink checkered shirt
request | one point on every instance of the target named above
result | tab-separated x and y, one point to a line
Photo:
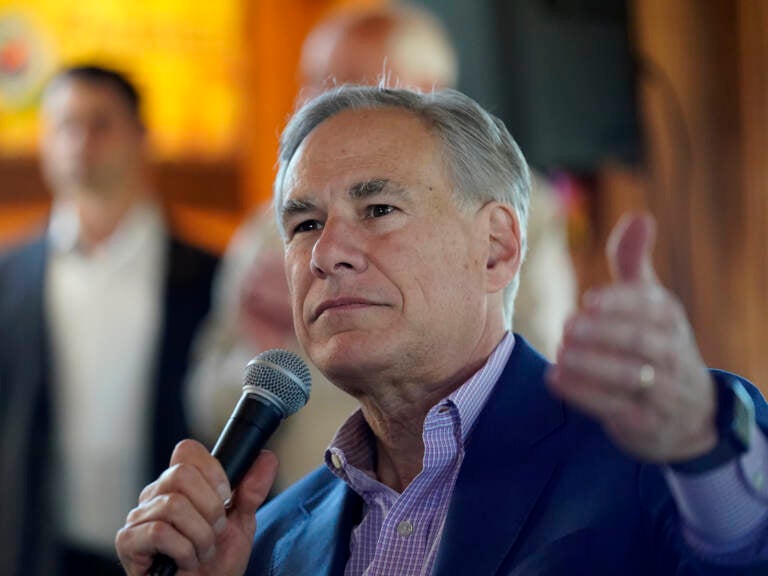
400	533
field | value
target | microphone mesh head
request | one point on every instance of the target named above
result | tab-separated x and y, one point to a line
280	377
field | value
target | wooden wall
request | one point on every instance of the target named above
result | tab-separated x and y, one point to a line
704	96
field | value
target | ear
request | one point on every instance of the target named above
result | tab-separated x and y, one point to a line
504	246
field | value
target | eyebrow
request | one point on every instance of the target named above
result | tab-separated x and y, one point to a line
358	191
293	207
375	187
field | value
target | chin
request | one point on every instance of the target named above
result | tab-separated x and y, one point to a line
347	355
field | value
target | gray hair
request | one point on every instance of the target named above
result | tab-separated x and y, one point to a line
483	159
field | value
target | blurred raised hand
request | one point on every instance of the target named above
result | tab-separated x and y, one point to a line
629	359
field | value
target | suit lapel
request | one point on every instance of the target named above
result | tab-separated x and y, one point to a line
185	302
28	294
26	395
509	460
168	424
319	541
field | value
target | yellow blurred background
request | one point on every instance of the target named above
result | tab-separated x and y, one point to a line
184	56
217	78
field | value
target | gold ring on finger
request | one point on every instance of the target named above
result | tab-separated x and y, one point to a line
647	377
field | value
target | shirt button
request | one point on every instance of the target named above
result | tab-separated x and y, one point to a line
405	528
336	461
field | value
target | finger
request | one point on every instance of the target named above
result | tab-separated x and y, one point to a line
177	510
137	545
620	336
188	478
629	249
189	498
135	557
613	373
649	305
631	420
641	422
195	454
586	396
253	490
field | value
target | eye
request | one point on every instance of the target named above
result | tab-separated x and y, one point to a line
379	210
307	226
67	126
101	124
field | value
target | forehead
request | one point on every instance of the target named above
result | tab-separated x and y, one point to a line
359	145
71	95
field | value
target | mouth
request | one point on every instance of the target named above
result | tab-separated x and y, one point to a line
341	304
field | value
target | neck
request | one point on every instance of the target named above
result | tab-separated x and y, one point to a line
395	407
100	213
397	417
399	444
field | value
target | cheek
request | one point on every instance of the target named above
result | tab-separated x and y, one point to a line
293	285
297	280
455	273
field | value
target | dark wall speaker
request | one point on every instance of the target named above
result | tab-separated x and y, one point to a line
568	79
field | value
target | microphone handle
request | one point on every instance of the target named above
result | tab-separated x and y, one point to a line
162	565
252	423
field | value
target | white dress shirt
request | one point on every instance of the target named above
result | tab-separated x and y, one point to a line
103	310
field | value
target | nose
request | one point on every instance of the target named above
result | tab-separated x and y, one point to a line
77	137
80	138
338	250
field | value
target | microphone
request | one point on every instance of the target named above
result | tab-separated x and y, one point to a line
276	384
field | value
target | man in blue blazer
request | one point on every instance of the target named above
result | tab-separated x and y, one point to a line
403	216
98	313
565	500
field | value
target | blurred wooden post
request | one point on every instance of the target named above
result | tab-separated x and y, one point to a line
704	90
751	256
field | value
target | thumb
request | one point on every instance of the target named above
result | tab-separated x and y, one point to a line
629	249
254	487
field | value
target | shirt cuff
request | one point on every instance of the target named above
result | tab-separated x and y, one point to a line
725	510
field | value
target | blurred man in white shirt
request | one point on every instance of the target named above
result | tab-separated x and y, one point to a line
110	303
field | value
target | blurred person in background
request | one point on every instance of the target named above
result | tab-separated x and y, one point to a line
403	46
98	315
252	313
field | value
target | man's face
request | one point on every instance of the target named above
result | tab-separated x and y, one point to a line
385	271
91	141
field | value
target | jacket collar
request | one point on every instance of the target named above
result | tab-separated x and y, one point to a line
511	455
319	542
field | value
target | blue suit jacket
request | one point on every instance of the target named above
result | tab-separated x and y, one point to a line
542	491
26	387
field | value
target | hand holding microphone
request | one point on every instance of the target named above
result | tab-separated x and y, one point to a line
182	514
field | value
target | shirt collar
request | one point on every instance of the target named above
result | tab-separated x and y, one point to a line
354	443
470	398
64	227
142	224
